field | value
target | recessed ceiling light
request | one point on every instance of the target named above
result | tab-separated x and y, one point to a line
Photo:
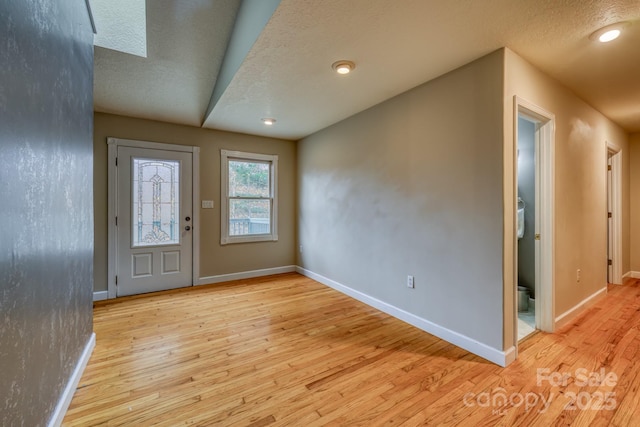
343	67
608	33
268	121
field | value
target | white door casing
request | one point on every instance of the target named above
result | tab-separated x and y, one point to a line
609	223
147	251
614	196
545	245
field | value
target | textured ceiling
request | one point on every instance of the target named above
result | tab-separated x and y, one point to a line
121	25
186	41
396	44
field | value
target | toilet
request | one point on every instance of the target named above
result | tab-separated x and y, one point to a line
523	298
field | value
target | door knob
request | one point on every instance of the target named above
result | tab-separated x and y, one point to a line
187	228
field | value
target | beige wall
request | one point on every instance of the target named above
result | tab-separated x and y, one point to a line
580	183
634	180
214	258
413	186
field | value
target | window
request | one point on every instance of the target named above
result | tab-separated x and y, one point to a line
249	202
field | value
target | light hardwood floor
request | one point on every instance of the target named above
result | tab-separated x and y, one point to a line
286	350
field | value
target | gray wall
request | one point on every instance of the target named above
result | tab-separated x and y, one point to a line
46	232
527	191
389	192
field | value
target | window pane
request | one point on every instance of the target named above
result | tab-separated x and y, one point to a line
249	217
156	202
248	179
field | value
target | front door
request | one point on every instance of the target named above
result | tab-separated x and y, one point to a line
154	220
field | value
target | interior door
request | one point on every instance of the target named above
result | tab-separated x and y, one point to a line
154	227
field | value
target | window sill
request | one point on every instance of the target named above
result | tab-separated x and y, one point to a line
249	239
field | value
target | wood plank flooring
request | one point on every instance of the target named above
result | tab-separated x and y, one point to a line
288	351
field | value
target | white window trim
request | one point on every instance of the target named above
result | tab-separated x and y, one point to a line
225	156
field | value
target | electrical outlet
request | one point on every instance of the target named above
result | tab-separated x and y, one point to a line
410	282
578	275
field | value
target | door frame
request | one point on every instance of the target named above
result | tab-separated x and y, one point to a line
545	189
616	206
112	204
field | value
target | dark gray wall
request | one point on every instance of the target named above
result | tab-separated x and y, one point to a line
46	209
527	191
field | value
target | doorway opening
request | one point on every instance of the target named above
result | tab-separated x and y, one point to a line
614	214
534	184
526	225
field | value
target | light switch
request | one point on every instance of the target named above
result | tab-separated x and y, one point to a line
207	204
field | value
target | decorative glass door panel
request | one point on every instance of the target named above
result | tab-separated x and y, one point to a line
155	202
154	224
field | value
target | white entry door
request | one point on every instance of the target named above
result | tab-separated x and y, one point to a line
154	220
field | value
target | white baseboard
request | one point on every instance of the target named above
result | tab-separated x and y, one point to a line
100	295
246	275
510	355
72	384
499	357
571	314
631	274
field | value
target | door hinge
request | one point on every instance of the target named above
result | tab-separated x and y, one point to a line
116	161
608	167
537	237
609	262
116	280
116	221
608	214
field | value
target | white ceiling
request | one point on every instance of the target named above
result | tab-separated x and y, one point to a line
396	44
122	24
186	41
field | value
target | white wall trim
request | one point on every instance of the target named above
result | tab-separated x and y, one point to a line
72	384
195	216
151	145
545	246
571	314
632	274
246	275
100	295
616	202
510	355
499	357
112	230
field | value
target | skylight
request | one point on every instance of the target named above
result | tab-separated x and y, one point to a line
121	25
